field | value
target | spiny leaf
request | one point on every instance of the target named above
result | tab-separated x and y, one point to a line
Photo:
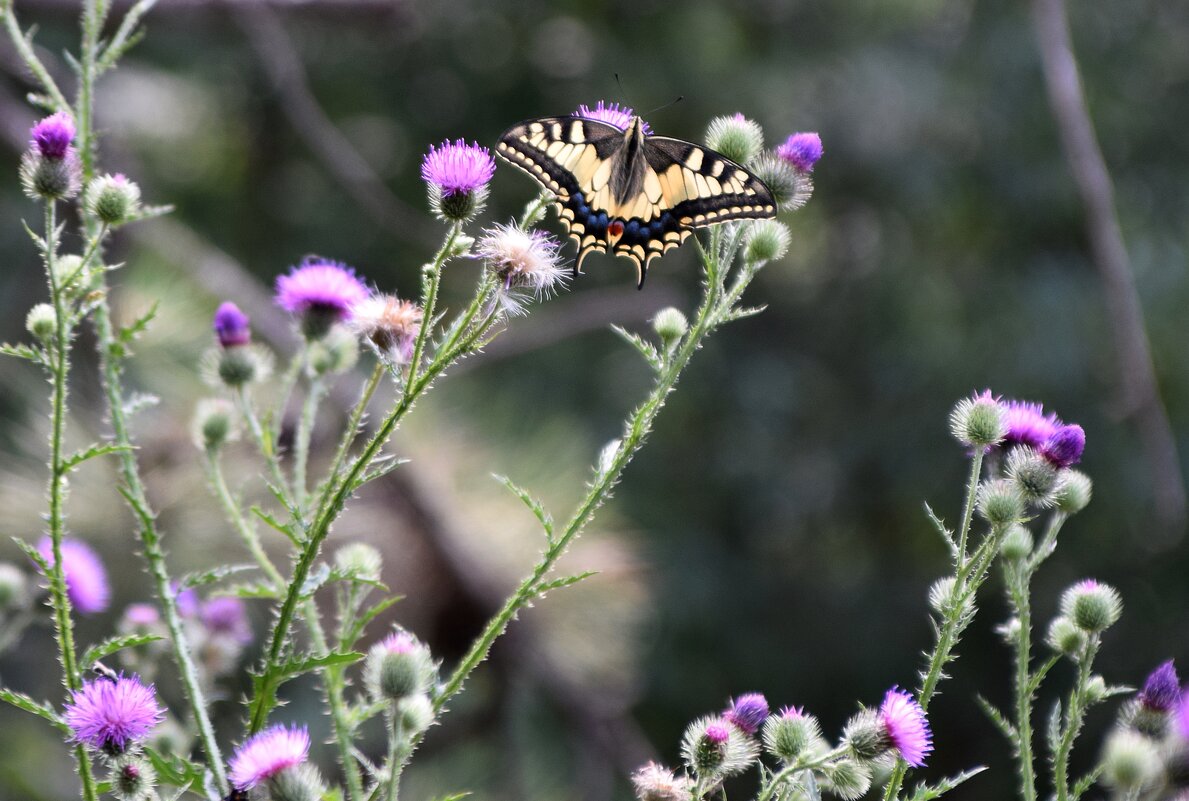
98	449
927	792
41	709
109	646
386	467
1053	729
534	506
998	718
740	312
565	581
1083	784
276	525
356	630
35	555
939	524
250	591
265	685
175	770
200	578
314	581
645	349
138	401
22	352
129	333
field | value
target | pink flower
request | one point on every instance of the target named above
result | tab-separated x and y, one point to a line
906	726
267	753
86	578
320	285
612	114
456	167
108	715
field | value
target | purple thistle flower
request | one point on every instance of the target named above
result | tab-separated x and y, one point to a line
109	714
53	135
400	642
186	599
456	167
142	615
228	617
906	726
267	753
612	114
321	292
1027	424
801	150
86	578
791	712
1065	445
1162	689
748	712
717	733
1181	714
231	325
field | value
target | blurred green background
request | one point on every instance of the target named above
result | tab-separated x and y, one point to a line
771	537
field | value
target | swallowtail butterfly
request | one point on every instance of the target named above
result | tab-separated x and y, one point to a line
629	193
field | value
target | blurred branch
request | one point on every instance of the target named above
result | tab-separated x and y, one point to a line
1140	395
285	71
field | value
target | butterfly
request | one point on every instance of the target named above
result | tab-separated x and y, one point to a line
623	191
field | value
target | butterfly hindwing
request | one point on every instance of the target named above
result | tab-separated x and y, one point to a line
633	195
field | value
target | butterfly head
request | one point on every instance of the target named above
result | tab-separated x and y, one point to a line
634	135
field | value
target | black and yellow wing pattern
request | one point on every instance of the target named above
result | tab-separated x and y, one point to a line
627	193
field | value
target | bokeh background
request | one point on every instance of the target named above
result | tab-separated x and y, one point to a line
771	537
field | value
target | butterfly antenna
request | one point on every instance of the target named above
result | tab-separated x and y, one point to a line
665	106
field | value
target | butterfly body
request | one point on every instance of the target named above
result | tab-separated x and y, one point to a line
623	192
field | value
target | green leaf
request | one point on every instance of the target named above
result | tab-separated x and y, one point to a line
1041	672
534	506
109	646
645	349
939	524
565	581
998	718
22	352
740	312
41	709
176	770
249	591
201	578
1083	784
1053	729
276	525
358	714
387	465
314	581
927	792
453	796
35	555
265	685
356	630
128	333
98	449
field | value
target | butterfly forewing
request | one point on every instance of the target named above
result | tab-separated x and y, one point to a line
609	200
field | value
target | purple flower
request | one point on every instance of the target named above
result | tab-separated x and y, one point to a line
323	292
86	578
109	714
527	262
801	150
1027	424
390	324
267	753
457	167
400	642
748	712
717	733
906	726
53	135
612	114
1064	446
231	325
791	712
1162	689
186	600
228	617
1181	714
142	615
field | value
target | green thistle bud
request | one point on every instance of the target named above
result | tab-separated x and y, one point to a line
766	240
398	666
296	783
336	352
1073	492
14	587
1092	606
112	199
133	778
214	424
736	137
1009	630
865	735
1095	689
1017	543
670	325
237	366
1000	502
1036	476
790	734
847	778
42	322
789	188
1065	637
977	422
461	246
50	179
713	748
360	560
415	712
943	600
456	206
68	273
1130	761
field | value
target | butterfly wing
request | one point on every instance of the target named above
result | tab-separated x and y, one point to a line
638	209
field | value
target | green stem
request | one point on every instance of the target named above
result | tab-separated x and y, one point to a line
333	678
305	431
398	752
1075	715
1019	595
429	300
267	448
976	471
25	51
352	429
288	383
218	482
94	13
535	207
789	771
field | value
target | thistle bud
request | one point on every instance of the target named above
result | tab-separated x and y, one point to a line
711	748
14	588
1017	543
398	666
296	783
112	199
766	240
232	326
747	712
655	782
865	736
51	179
360	560
1095	689
415	713
977	421
1065	446
791	733
1034	475
1161	689
1073	492
1009	630
1092	606
214	424
133	778
1130	761
801	151
715	748
462	244
736	137
1065	637
848	779
790	189
42	322
336	352
670	325
1000	502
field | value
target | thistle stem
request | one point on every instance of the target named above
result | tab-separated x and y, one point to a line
332	678
352	429
789	771
1075	715
247	533
305	431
